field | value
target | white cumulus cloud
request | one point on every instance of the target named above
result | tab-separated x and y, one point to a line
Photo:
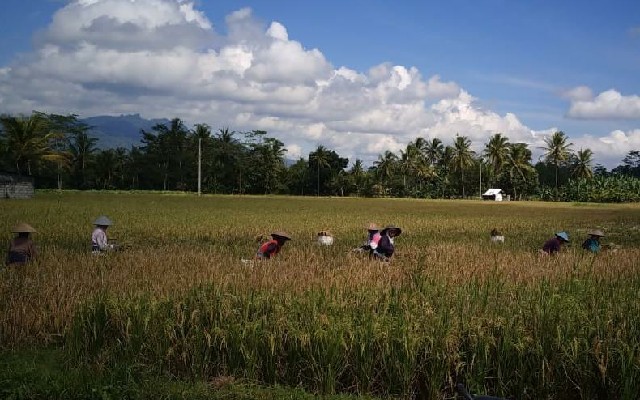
608	104
164	58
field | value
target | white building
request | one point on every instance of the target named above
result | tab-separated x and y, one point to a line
493	194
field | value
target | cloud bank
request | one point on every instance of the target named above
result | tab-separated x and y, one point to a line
164	58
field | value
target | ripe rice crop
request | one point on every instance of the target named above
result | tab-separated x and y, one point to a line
451	306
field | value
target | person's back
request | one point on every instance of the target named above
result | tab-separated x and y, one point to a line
554	245
21	248
272	247
268	249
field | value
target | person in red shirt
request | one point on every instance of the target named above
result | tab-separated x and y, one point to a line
554	244
272	247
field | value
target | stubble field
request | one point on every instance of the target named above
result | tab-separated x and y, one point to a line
451	307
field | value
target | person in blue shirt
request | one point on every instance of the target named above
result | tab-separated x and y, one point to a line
592	243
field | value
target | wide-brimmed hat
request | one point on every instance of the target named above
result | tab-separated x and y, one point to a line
596	232
102	221
563	235
281	234
373	227
392	228
23	227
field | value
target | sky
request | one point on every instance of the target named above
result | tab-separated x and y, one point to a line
359	77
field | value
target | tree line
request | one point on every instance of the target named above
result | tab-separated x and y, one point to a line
59	152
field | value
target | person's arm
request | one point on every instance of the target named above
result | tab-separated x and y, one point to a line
101	240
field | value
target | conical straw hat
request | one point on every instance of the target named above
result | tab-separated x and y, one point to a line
281	234
23	227
102	221
596	232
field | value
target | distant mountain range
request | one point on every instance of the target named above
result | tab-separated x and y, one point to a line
121	131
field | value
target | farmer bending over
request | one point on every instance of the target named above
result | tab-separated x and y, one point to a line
272	247
555	244
593	241
21	248
385	246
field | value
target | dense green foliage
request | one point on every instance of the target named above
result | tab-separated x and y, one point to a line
60	152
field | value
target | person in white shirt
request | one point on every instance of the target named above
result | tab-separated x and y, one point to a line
99	240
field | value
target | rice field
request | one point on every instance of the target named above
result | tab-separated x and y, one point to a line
451	306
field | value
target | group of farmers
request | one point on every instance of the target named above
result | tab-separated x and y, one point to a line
379	244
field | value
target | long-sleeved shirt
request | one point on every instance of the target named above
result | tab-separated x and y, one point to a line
592	245
99	240
552	245
385	247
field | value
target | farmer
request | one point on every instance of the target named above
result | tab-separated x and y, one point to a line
373	237
496	236
272	247
554	244
593	241
385	247
99	241
21	248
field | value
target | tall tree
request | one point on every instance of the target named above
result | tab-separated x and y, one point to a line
462	157
433	151
324	164
496	151
82	148
518	165
28	140
385	166
557	151
581	167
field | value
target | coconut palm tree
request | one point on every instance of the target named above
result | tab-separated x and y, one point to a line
462	157
557	151
385	165
582	164
496	151
518	164
434	150
321	158
29	140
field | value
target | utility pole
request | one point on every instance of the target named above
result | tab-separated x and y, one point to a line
199	166
480	178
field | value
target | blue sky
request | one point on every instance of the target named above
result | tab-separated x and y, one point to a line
357	76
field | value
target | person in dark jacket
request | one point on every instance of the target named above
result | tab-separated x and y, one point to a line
385	246
272	247
593	241
21	248
555	244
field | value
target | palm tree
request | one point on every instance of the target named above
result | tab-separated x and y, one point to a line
557	151
82	148
28	140
462	157
433	151
518	164
410	160
321	158
358	174
496	151
582	164
385	165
